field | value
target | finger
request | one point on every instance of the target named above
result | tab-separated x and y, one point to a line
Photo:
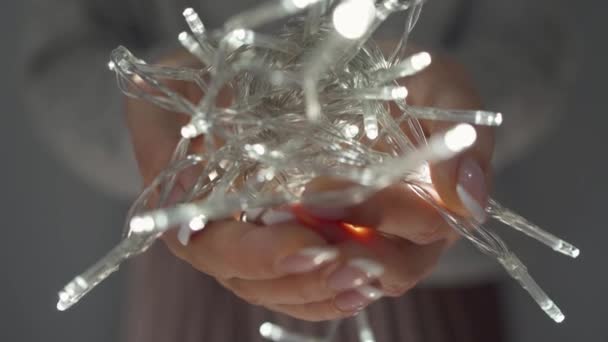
344	305
404	263
353	267
349	302
154	135
395	210
461	182
242	250
395	264
154	130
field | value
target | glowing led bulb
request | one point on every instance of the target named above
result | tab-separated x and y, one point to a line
189	131
239	37
197	223
194	21
352	18
399	93
187	41
420	60
498	119
142	224
299	4
196	127
350	131
460	137
271	331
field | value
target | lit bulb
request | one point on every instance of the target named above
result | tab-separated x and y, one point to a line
271	331
197	223
460	137
301	4
350	131
498	119
239	37
420	60
399	93
352	18
265	329
141	224
189	131
213	175
194	21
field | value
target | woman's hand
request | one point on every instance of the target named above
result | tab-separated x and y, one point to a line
284	265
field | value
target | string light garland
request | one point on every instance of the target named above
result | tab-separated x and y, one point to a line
315	100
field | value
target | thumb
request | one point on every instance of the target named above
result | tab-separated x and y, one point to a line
155	130
463	182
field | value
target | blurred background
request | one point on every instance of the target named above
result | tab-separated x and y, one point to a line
55	224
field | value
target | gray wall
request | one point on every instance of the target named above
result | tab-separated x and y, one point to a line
54	225
563	186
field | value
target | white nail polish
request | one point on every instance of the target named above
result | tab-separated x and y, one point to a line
471	204
276	216
369	292
371	268
307	259
320	255
183	234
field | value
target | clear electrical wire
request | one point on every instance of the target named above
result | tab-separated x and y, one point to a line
318	98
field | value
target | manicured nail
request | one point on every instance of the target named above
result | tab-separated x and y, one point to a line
356	299
355	273
307	259
183	235
273	216
472	189
268	216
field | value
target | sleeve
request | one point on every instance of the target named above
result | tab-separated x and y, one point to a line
74	105
522	54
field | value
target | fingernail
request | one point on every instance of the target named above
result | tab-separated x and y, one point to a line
356	299
273	216
183	235
307	259
355	273
472	189
268	216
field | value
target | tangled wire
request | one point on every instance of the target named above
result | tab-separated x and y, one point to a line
319	98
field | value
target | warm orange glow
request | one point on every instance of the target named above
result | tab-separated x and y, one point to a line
332	231
357	230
